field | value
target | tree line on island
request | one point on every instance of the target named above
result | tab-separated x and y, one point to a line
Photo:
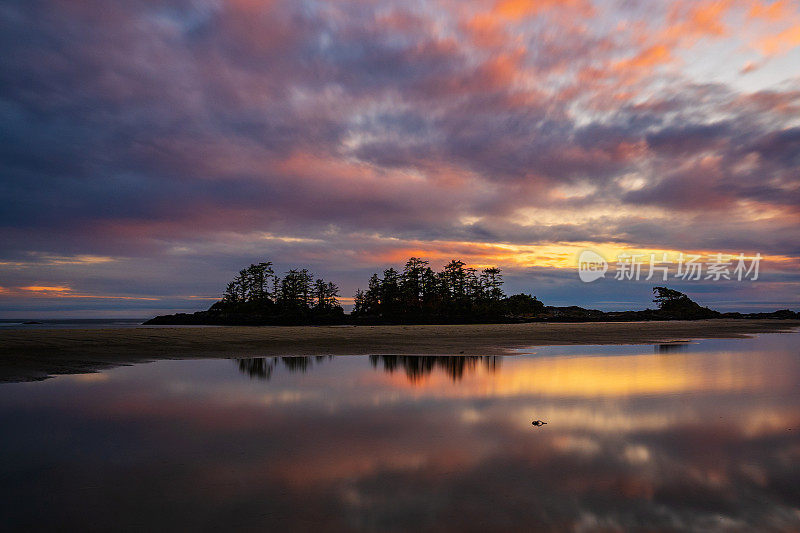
257	295
455	294
415	295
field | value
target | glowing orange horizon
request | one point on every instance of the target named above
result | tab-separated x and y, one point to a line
63	291
551	255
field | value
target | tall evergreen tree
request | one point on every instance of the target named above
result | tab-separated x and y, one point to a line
492	280
295	289
412	283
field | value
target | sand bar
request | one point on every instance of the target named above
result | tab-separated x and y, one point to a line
38	353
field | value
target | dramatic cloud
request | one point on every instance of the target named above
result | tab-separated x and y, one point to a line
182	139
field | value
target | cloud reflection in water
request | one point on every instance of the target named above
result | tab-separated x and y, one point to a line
700	439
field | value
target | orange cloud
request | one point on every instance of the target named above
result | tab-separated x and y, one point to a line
63	291
783	25
502	69
650	57
519	9
707	20
774	11
485	30
781	42
42	288
695	20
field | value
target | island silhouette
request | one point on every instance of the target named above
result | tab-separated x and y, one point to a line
456	294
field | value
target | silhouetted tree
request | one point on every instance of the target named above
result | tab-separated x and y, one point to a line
455	279
250	284
390	304
457	293
260	277
326	294
418	294
665	296
521	305
412	284
676	305
295	289
359	303
231	293
492	281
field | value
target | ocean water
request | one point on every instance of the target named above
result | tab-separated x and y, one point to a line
702	436
79	323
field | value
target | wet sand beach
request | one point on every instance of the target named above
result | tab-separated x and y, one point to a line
39	353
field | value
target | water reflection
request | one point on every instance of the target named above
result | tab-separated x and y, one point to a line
418	367
263	367
673	347
704	439
415	367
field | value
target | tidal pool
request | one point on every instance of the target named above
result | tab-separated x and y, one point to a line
702	436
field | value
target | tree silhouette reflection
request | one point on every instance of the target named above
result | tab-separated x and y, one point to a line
416	367
263	367
673	347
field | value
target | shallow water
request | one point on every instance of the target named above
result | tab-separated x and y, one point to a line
702	436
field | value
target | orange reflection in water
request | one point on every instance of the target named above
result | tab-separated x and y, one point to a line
633	441
605	376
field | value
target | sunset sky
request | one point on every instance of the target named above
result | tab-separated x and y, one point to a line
150	149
